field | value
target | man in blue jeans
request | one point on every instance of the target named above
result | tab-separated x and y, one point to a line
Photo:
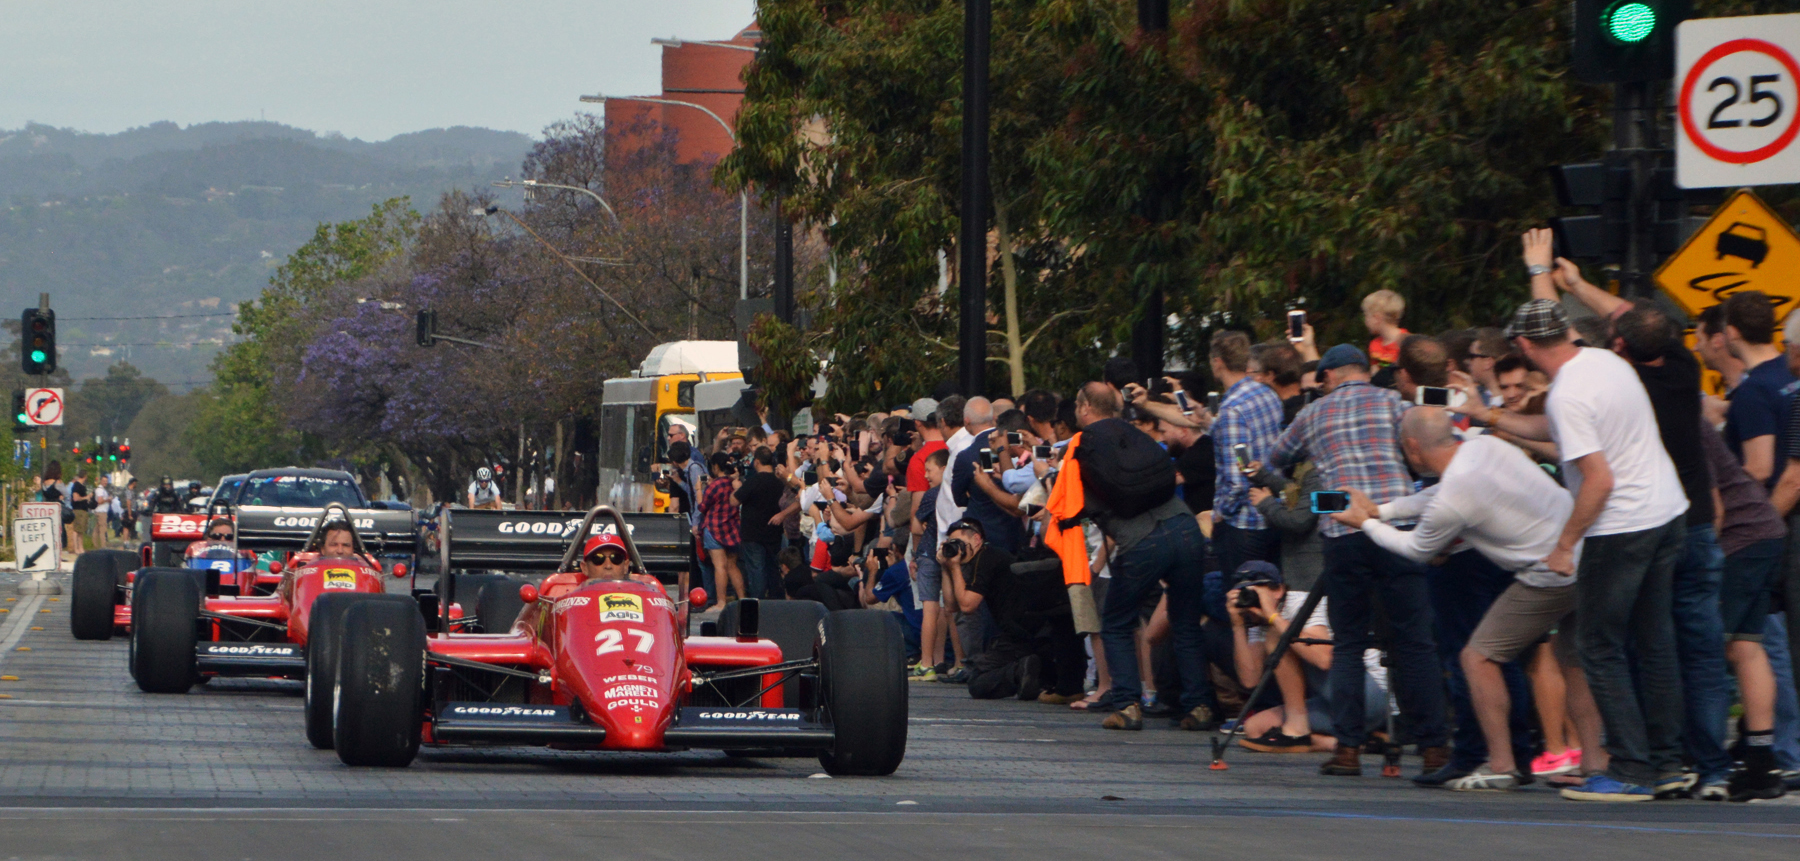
1631	510
1352	437
1161	545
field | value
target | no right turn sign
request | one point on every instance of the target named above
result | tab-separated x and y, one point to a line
1737	101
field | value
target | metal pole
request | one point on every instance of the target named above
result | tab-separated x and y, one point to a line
784	266
518	472
1634	135
743	245
972	244
1147	333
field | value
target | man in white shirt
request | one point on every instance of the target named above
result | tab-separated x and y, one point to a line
1493	498
1629	508
950	415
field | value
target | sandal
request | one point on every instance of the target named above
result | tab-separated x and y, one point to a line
1086	702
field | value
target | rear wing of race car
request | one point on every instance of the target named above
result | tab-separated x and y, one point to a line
536	540
266	527
181	527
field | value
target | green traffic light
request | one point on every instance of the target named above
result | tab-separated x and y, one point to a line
1630	22
37	356
21	418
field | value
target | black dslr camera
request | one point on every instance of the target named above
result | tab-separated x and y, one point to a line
1247	599
954	548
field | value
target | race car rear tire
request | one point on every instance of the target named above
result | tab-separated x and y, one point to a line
92	595
165	608
324	645
794	626
498	604
376	703
164	554
468	593
862	679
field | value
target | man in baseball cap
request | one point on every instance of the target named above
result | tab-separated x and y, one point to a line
604	557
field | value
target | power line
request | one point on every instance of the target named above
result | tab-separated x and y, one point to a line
160	316
156	344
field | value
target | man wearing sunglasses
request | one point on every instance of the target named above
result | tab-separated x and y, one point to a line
220	530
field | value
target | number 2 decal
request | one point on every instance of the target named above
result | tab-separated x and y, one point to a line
613	640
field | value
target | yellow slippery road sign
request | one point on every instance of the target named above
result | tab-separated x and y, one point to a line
1745	246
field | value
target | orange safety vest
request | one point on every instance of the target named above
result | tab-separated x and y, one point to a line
1066	502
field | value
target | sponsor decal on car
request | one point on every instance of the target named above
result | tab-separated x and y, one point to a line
500	711
298	520
631	691
621	607
252	649
750	715
566	603
340	578
664	603
628	677
634	703
559	530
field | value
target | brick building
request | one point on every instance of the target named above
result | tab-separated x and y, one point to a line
698	72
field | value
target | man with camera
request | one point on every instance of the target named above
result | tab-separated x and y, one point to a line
1029	655
1262	608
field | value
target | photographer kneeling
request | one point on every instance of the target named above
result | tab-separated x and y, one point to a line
1261	608
1028	657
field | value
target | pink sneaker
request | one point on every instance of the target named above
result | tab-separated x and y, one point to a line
1548	764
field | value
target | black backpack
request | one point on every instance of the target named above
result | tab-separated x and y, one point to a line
1124	473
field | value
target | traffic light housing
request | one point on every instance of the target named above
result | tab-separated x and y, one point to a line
1605	185
1626	40
20	421
125	450
427	328
37	341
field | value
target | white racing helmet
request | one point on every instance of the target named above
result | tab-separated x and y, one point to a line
484	474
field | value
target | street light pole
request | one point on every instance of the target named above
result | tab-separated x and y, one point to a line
971	250
743	196
532	183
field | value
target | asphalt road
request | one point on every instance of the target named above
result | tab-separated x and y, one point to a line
92	768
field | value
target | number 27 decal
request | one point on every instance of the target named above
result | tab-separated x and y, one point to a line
613	640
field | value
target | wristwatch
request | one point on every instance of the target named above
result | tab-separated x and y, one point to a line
1537	269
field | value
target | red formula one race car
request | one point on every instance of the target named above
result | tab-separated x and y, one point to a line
593	663
100	599
187	626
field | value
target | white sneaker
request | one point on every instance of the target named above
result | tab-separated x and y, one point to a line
1484	779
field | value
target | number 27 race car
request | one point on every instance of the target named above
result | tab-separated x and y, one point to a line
606	664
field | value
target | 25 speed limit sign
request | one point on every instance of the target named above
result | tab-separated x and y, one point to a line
1737	99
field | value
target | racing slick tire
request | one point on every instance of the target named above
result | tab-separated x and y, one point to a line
468	591
324	643
498	604
862	680
165	607
376	708
92	595
794	626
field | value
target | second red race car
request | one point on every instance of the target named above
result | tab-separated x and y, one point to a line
186	626
599	658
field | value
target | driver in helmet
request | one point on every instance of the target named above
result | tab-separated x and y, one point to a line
483	492
167	501
193	493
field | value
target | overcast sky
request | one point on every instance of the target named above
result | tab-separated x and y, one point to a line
370	69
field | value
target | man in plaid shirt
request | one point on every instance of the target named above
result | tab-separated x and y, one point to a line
1352	437
1249	415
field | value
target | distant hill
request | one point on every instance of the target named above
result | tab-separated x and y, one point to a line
164	220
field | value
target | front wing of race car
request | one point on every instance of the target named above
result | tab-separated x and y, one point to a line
693	727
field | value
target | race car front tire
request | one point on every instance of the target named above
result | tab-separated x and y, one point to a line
862	680
376	702
95	588
324	644
165	608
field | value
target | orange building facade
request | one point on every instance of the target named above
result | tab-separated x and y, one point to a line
709	75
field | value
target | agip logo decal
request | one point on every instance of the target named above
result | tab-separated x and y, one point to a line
340	578
621	607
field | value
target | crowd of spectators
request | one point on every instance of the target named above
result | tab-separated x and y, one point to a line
1535	553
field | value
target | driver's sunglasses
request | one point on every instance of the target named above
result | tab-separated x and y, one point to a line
220	536
607	557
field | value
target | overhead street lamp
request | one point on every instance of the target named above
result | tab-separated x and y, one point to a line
676	43
532	183
743	196
567	261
